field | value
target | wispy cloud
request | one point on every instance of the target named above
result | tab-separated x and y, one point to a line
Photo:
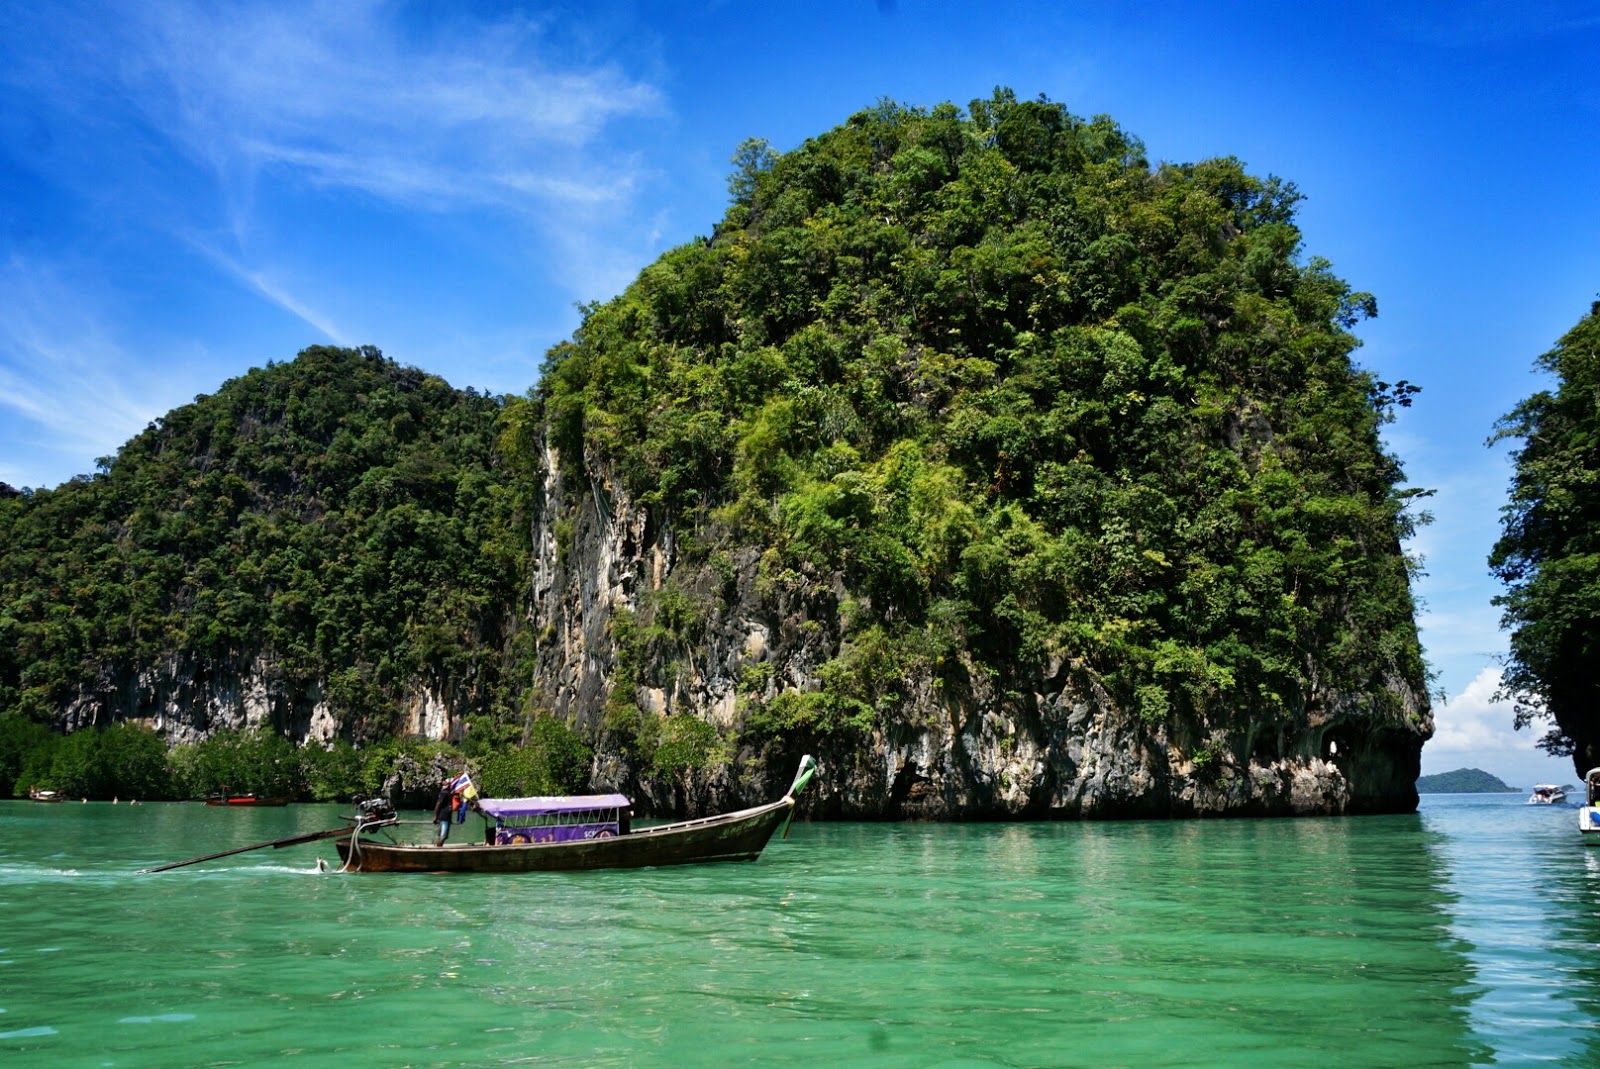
62	376
286	146
263	283
265	103
341	95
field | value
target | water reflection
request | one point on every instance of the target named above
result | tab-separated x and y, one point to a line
1524	905
1536	883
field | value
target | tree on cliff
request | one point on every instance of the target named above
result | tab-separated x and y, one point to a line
1549	552
1027	400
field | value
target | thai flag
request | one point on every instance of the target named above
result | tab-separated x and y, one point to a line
464	792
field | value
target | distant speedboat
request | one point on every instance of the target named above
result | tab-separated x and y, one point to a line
1546	794
1589	815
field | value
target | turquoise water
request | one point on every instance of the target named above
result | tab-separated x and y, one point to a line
1467	934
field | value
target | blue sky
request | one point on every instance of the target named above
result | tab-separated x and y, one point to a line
189	190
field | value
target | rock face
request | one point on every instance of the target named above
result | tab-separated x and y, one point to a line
1060	750
187	699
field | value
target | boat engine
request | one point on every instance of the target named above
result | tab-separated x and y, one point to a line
374	811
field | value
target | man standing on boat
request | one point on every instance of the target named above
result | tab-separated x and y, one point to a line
455	798
443	808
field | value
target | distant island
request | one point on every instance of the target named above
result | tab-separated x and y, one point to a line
1462	781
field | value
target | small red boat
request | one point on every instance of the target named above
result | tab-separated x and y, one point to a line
244	799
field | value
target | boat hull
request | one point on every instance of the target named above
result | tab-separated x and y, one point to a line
737	836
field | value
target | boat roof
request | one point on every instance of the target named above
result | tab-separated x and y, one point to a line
555	803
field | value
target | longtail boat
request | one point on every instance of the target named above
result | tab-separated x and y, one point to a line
550	834
245	799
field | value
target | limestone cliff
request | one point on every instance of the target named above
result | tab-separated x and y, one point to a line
1061	748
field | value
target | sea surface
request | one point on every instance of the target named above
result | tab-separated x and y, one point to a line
1467	934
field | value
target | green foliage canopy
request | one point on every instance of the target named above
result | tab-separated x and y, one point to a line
1034	400
1548	554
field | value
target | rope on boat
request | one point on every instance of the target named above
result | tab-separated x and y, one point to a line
353	856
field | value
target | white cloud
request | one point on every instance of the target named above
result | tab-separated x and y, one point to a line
1472	730
282	144
1474	721
265	284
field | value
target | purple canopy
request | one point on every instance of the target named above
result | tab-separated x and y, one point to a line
508	808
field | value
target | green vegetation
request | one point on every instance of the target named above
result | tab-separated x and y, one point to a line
342	520
120	761
128	761
1033	401
1548	554
549	758
258	761
340	516
1462	781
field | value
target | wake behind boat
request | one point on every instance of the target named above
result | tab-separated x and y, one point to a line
566	833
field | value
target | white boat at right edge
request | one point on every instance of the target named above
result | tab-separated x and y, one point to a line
1589	814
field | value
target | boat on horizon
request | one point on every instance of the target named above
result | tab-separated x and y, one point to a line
569	833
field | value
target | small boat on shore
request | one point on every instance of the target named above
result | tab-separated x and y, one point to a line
555	834
39	795
1547	794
